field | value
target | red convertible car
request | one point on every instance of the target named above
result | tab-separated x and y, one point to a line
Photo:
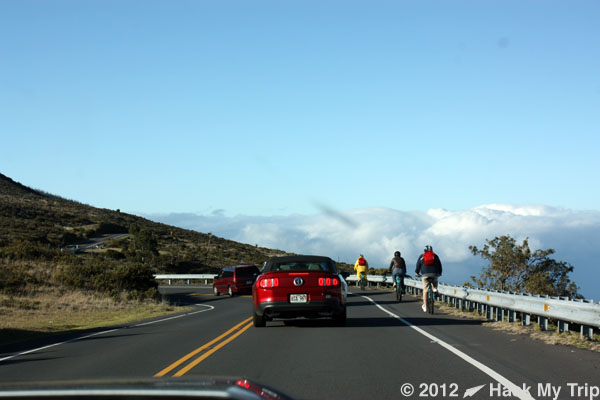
299	286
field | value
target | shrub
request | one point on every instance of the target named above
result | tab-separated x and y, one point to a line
114	255
105	277
25	250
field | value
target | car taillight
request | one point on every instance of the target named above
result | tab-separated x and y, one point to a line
329	281
266	283
243	383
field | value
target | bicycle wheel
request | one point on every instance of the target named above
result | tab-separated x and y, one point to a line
430	300
398	291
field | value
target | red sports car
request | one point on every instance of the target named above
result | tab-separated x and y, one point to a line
299	286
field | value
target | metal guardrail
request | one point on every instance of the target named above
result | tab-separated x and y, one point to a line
495	305
502	306
185	277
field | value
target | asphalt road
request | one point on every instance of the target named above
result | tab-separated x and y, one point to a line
384	348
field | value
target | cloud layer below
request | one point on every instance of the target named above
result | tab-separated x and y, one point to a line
378	232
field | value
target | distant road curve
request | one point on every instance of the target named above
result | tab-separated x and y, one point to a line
96	242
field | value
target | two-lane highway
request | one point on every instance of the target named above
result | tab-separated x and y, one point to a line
385	349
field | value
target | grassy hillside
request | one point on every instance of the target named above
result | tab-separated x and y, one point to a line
47	287
50	222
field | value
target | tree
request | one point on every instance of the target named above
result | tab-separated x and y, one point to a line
516	268
144	244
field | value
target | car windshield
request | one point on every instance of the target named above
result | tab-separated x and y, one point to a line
246	271
301	266
250	189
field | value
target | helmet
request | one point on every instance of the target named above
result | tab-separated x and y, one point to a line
428	248
397	254
360	255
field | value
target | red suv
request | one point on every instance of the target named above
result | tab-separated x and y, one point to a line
299	286
235	280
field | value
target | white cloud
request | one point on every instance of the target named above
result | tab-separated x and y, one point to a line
378	232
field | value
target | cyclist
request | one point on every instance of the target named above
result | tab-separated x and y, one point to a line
398	267
428	266
361	266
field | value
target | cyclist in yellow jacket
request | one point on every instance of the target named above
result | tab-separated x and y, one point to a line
361	266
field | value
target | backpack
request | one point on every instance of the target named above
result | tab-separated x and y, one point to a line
361	261
428	258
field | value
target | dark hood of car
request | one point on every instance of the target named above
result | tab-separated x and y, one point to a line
204	388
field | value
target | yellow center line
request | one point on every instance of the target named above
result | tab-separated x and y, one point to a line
202	348
204	356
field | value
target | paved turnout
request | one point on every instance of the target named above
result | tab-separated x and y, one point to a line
385	349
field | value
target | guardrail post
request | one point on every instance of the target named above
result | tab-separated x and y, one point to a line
170	282
543	323
562	326
586	331
511	315
525	319
500	314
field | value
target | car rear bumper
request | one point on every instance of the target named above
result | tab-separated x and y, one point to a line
313	309
242	289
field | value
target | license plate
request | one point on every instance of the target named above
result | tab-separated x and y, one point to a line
248	282
298	298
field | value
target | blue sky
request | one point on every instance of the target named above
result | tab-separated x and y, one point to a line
276	109
265	108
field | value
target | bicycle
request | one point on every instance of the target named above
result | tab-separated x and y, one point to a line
430	295
430	298
398	288
362	281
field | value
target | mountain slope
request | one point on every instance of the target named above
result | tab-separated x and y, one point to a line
33	216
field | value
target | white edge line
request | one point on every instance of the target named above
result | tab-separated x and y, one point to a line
105	332
516	391
178	316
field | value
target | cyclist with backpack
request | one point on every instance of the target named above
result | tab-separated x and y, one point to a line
361	266
428	266
398	267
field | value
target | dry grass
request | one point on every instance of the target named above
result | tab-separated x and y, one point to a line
48	311
551	336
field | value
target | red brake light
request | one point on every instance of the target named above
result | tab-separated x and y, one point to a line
329	282
243	383
269	283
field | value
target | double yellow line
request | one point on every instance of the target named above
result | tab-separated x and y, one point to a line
229	335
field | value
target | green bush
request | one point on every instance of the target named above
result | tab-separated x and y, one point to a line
25	250
115	255
136	280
